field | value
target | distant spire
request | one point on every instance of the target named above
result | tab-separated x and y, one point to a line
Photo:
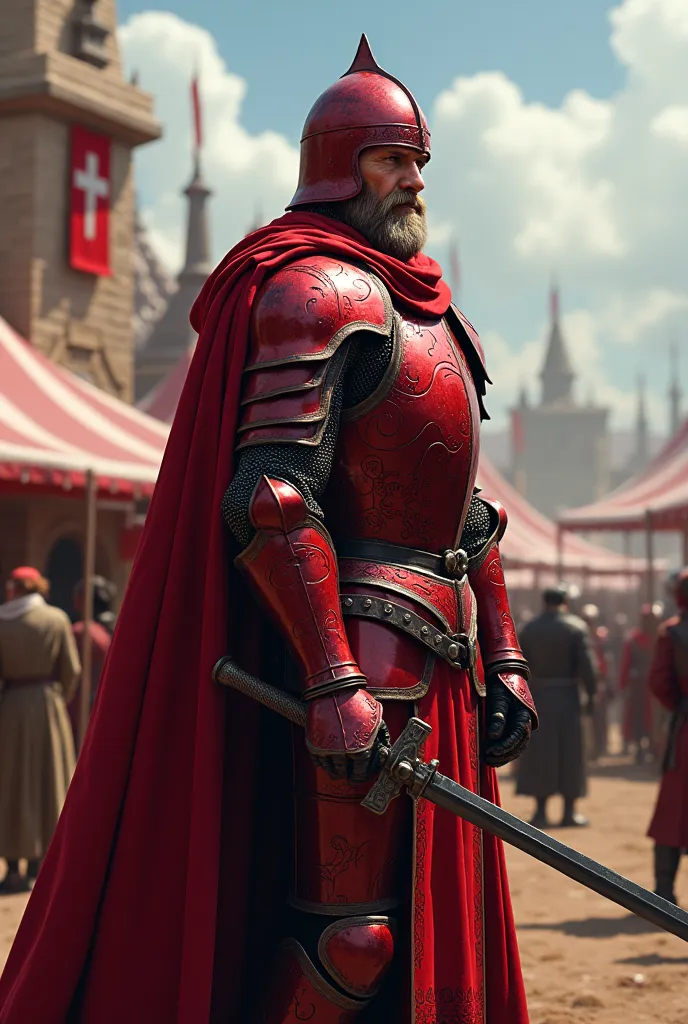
642	448
556	375
197	264
454	269
675	393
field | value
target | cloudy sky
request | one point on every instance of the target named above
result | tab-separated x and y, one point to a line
560	149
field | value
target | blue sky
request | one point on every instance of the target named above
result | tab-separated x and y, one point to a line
560	148
546	46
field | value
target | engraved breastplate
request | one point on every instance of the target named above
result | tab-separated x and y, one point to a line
406	458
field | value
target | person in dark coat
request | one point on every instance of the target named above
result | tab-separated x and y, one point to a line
101	630
558	648
668	681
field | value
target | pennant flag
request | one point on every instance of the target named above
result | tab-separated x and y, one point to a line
196	104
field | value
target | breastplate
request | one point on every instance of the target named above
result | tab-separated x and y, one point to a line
406	458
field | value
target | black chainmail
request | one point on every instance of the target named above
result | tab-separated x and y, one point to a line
478	527
307	467
366	367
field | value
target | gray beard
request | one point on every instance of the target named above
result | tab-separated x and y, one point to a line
399	235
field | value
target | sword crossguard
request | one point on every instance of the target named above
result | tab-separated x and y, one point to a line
402	768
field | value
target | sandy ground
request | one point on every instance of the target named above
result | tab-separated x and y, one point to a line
585	961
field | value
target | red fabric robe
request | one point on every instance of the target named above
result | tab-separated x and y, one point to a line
158	885
668	681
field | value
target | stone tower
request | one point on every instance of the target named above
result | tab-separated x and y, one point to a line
642	430
173	336
556	375
61	88
559	447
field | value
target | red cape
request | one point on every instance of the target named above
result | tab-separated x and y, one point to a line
123	923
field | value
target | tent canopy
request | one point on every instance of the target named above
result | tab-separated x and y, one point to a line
658	496
55	427
531	539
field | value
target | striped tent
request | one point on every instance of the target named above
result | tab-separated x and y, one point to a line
55	427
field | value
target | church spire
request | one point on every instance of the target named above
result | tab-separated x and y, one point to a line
556	375
641	427
197	264
675	393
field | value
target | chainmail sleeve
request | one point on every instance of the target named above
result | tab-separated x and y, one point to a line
307	467
478	528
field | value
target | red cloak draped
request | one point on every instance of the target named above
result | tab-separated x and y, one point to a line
128	919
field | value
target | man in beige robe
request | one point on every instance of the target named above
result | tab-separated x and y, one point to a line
39	670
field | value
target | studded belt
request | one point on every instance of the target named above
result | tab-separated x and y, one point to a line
452	564
457	649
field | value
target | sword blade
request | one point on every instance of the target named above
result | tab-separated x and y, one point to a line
512	830
478	811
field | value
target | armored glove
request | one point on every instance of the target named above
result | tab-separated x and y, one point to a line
509	722
293	569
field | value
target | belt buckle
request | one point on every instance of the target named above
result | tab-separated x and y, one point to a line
455	563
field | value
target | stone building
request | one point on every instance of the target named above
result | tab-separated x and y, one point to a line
60	67
61	83
559	446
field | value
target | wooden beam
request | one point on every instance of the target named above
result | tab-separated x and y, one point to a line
88	573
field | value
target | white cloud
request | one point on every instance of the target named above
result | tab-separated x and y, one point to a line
251	175
593	190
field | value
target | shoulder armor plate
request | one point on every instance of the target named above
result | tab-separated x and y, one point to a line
467	336
300	319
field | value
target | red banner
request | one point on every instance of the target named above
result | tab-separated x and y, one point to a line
89	208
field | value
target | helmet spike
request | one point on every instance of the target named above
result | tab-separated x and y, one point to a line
364	60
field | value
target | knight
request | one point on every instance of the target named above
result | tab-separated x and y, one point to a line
316	516
353	504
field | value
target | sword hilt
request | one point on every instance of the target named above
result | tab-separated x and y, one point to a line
401	767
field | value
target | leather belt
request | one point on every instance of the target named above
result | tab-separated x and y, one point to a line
457	649
451	564
16	684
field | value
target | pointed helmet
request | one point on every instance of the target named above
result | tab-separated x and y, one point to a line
366	107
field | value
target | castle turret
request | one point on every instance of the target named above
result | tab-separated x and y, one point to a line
556	375
172	335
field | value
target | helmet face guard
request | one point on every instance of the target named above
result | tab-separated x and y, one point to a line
366	107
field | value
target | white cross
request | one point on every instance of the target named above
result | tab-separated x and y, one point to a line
94	188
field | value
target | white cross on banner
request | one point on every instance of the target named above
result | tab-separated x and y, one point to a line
90	193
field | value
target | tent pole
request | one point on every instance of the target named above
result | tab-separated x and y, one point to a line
650	557
88	573
560	552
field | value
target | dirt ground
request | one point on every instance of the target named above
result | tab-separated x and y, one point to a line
585	961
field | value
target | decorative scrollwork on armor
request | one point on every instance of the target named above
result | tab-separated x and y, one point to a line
397	461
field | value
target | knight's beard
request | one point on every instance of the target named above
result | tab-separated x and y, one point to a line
399	233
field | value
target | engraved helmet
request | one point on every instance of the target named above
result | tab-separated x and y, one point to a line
366	107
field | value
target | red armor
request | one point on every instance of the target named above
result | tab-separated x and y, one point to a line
301	319
366	107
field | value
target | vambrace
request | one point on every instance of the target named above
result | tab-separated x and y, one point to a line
499	646
292	567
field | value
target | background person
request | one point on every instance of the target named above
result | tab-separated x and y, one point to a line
102	626
39	668
557	646
668	681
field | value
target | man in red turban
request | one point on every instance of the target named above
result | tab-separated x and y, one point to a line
211	865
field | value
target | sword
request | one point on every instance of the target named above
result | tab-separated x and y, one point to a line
403	770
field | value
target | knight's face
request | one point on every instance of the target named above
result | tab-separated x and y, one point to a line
388	169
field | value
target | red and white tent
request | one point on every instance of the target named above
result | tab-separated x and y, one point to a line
656	498
161	401
531	540
55	428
